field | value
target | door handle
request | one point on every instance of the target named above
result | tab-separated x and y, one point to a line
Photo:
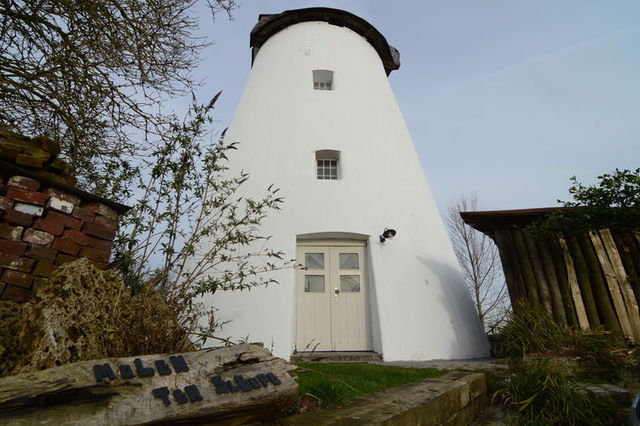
336	291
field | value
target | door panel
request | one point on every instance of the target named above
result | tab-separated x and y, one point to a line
331	298
348	321
314	332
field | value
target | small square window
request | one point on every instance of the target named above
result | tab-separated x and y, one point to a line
322	80
327	164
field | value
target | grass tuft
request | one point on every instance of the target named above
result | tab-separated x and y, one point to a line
544	396
337	384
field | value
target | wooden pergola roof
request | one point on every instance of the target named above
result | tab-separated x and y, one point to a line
486	221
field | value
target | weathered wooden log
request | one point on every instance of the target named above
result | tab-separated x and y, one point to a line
233	385
582	274
621	238
632	238
511	267
572	282
557	302
562	276
525	267
600	291
538	272
613	265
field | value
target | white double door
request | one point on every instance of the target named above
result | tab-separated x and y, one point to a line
332	312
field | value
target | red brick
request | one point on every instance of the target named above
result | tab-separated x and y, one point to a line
83	214
8	232
31	197
12	247
99	231
94	254
17	294
16	263
44	269
63	195
76	236
37	237
106	222
66	245
101	209
99	244
85	240
65	258
64	220
19	279
23	183
18	218
45	254
49	226
5	203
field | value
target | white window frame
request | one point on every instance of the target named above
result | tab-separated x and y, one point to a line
328	164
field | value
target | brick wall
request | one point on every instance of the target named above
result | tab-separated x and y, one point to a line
43	226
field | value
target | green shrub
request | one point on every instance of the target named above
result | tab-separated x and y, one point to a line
545	396
601	355
532	330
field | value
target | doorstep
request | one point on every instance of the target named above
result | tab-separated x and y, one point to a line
336	356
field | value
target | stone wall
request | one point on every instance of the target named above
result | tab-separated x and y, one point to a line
44	222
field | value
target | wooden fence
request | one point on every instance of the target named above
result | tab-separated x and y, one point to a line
585	280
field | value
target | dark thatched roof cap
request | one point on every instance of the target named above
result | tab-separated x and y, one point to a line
270	24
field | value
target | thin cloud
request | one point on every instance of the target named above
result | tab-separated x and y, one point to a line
547	56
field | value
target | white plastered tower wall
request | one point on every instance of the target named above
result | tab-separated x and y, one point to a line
419	308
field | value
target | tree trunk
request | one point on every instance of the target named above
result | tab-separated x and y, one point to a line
619	287
525	267
582	273
600	293
538	272
574	287
511	267
624	250
544	251
235	385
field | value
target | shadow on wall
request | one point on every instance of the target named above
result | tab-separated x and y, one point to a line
468	340
374	316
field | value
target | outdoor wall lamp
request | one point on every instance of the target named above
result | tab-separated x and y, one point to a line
387	234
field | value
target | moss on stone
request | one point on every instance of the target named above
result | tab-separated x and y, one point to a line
38	154
10	315
84	313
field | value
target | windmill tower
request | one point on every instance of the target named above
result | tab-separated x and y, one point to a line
318	119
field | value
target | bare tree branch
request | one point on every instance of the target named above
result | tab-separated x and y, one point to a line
479	260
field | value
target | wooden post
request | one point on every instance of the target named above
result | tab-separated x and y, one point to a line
511	267
622	240
562	276
600	293
554	287
525	267
538	272
581	312
617	279
582	274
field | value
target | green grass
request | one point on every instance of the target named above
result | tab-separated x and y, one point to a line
337	384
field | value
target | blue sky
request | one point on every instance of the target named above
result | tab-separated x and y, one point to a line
507	99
